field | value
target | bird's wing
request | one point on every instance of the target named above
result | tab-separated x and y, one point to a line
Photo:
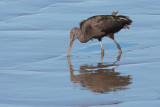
107	24
80	23
99	26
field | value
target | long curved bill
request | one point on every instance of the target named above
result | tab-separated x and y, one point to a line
69	47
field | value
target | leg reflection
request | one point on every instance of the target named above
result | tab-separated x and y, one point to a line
118	58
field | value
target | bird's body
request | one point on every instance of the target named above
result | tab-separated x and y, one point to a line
97	27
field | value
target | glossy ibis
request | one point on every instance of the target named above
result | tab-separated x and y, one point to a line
97	27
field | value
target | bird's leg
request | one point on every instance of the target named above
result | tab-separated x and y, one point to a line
102	49
112	37
102	57
118	46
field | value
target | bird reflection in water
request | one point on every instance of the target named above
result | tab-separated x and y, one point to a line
101	78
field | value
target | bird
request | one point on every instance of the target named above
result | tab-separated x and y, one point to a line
97	27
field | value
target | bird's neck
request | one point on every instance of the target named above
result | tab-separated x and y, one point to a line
81	37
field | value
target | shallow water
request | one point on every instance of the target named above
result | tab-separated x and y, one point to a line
34	69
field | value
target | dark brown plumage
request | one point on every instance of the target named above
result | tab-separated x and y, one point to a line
97	27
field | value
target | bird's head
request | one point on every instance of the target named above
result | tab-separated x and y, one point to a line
74	33
73	36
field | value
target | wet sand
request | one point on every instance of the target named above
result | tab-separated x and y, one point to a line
34	69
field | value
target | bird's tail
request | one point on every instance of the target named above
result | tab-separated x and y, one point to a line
125	20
